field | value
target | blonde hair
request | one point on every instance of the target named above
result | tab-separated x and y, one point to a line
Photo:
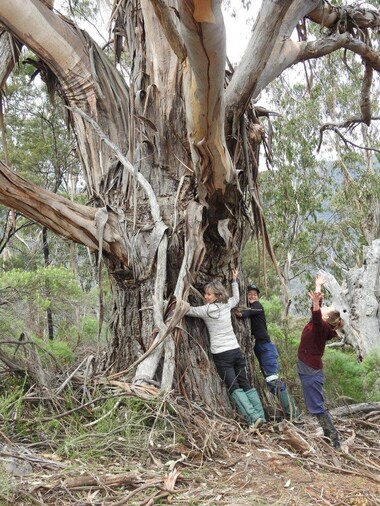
334	319
218	290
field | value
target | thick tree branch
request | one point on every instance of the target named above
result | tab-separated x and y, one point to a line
203	31
67	219
363	407
365	95
58	44
267	54
346	17
256	70
322	47
87	79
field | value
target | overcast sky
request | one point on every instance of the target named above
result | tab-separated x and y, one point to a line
239	23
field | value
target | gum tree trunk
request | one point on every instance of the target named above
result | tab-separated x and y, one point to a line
169	157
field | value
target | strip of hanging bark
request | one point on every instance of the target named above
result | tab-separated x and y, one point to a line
169	28
9	56
177	317
259	221
145	185
192	258
136	389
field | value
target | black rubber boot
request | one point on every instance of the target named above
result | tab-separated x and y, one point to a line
329	430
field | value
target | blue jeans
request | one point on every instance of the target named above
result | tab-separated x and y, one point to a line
267	355
312	386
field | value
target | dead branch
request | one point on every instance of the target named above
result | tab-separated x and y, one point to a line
363	407
335	128
111	480
294	439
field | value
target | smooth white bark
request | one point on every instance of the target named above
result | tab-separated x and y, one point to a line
357	299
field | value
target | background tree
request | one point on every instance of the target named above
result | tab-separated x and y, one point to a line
320	208
40	145
169	156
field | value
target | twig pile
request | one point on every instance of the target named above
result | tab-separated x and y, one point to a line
187	454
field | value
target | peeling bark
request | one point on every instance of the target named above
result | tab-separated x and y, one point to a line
203	31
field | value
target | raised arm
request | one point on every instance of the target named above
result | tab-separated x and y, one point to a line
319	281
234	274
234	300
315	297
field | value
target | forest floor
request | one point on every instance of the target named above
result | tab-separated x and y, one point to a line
279	464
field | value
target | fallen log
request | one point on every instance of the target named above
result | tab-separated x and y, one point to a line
363	407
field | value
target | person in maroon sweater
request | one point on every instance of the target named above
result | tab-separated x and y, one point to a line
322	327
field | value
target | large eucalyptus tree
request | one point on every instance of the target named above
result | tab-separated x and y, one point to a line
169	155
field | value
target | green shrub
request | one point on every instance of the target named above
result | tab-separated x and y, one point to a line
371	379
343	377
60	350
273	309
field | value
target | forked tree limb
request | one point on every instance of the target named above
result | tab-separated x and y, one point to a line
329	16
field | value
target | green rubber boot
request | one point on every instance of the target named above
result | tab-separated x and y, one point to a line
254	399
288	405
246	409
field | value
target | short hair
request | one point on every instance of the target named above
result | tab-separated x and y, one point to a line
335	320
218	290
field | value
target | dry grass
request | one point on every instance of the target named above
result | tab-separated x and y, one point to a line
140	451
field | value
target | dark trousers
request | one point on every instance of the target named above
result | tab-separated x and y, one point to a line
232	369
